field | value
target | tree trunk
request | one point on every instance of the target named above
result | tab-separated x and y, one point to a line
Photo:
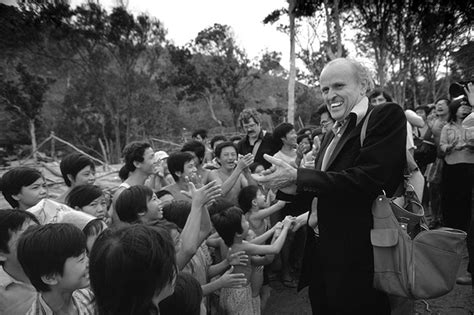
34	146
292	78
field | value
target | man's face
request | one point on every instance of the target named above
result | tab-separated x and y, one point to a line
326	122
251	128
228	158
378	100
340	89
148	164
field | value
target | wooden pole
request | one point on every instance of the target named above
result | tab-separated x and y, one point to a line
53	147
34	152
78	150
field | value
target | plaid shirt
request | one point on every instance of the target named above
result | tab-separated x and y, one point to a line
82	300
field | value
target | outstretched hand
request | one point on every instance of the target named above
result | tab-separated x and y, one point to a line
280	175
205	194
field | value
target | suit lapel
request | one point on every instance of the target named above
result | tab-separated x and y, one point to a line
350	132
324	145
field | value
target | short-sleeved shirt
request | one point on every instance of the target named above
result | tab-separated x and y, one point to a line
82	299
16	297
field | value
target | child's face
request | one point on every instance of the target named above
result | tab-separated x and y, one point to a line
32	194
189	169
228	158
11	257
261	202
75	273
154	208
85	176
97	208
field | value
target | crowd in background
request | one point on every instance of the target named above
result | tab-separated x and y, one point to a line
192	231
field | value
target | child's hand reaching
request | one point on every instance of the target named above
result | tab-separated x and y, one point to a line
237	258
288	221
232	280
205	194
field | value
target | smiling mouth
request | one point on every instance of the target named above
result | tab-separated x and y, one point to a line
336	105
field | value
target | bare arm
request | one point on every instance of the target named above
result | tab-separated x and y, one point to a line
191	235
263	213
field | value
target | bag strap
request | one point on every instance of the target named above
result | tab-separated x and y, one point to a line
363	131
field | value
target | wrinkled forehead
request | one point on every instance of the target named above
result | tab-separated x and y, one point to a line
337	71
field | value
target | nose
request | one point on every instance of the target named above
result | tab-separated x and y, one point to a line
330	94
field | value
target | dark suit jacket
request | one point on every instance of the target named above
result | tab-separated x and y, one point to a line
340	263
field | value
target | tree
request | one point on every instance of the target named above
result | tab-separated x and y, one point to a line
25	97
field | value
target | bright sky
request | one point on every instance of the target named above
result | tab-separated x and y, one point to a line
184	19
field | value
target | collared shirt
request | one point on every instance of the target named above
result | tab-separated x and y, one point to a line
360	109
82	300
16	297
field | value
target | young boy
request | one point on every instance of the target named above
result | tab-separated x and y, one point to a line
257	212
233	229
16	292
77	169
182	167
54	258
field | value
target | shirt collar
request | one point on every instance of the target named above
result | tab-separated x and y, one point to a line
360	109
6	279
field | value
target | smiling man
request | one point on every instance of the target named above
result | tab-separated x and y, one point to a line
257	141
338	264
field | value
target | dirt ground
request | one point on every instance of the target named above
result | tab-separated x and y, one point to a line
460	301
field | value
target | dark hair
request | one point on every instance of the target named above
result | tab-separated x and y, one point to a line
378	92
217	138
11	221
453	108
227	223
186	299
247	114
246	196
302	137
134	152
44	249
176	163
444	98
218	205
302	131
281	131
94	227
223	145
200	132
123	173
162	192
234	138
72	164
83	195
196	147
133	201
128	265
424	108
177	212
254	166
16	178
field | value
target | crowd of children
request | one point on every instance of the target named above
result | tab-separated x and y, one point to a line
184	233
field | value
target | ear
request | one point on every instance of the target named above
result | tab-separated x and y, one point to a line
51	279
2	257
71	178
254	201
137	164
77	208
16	197
178	173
